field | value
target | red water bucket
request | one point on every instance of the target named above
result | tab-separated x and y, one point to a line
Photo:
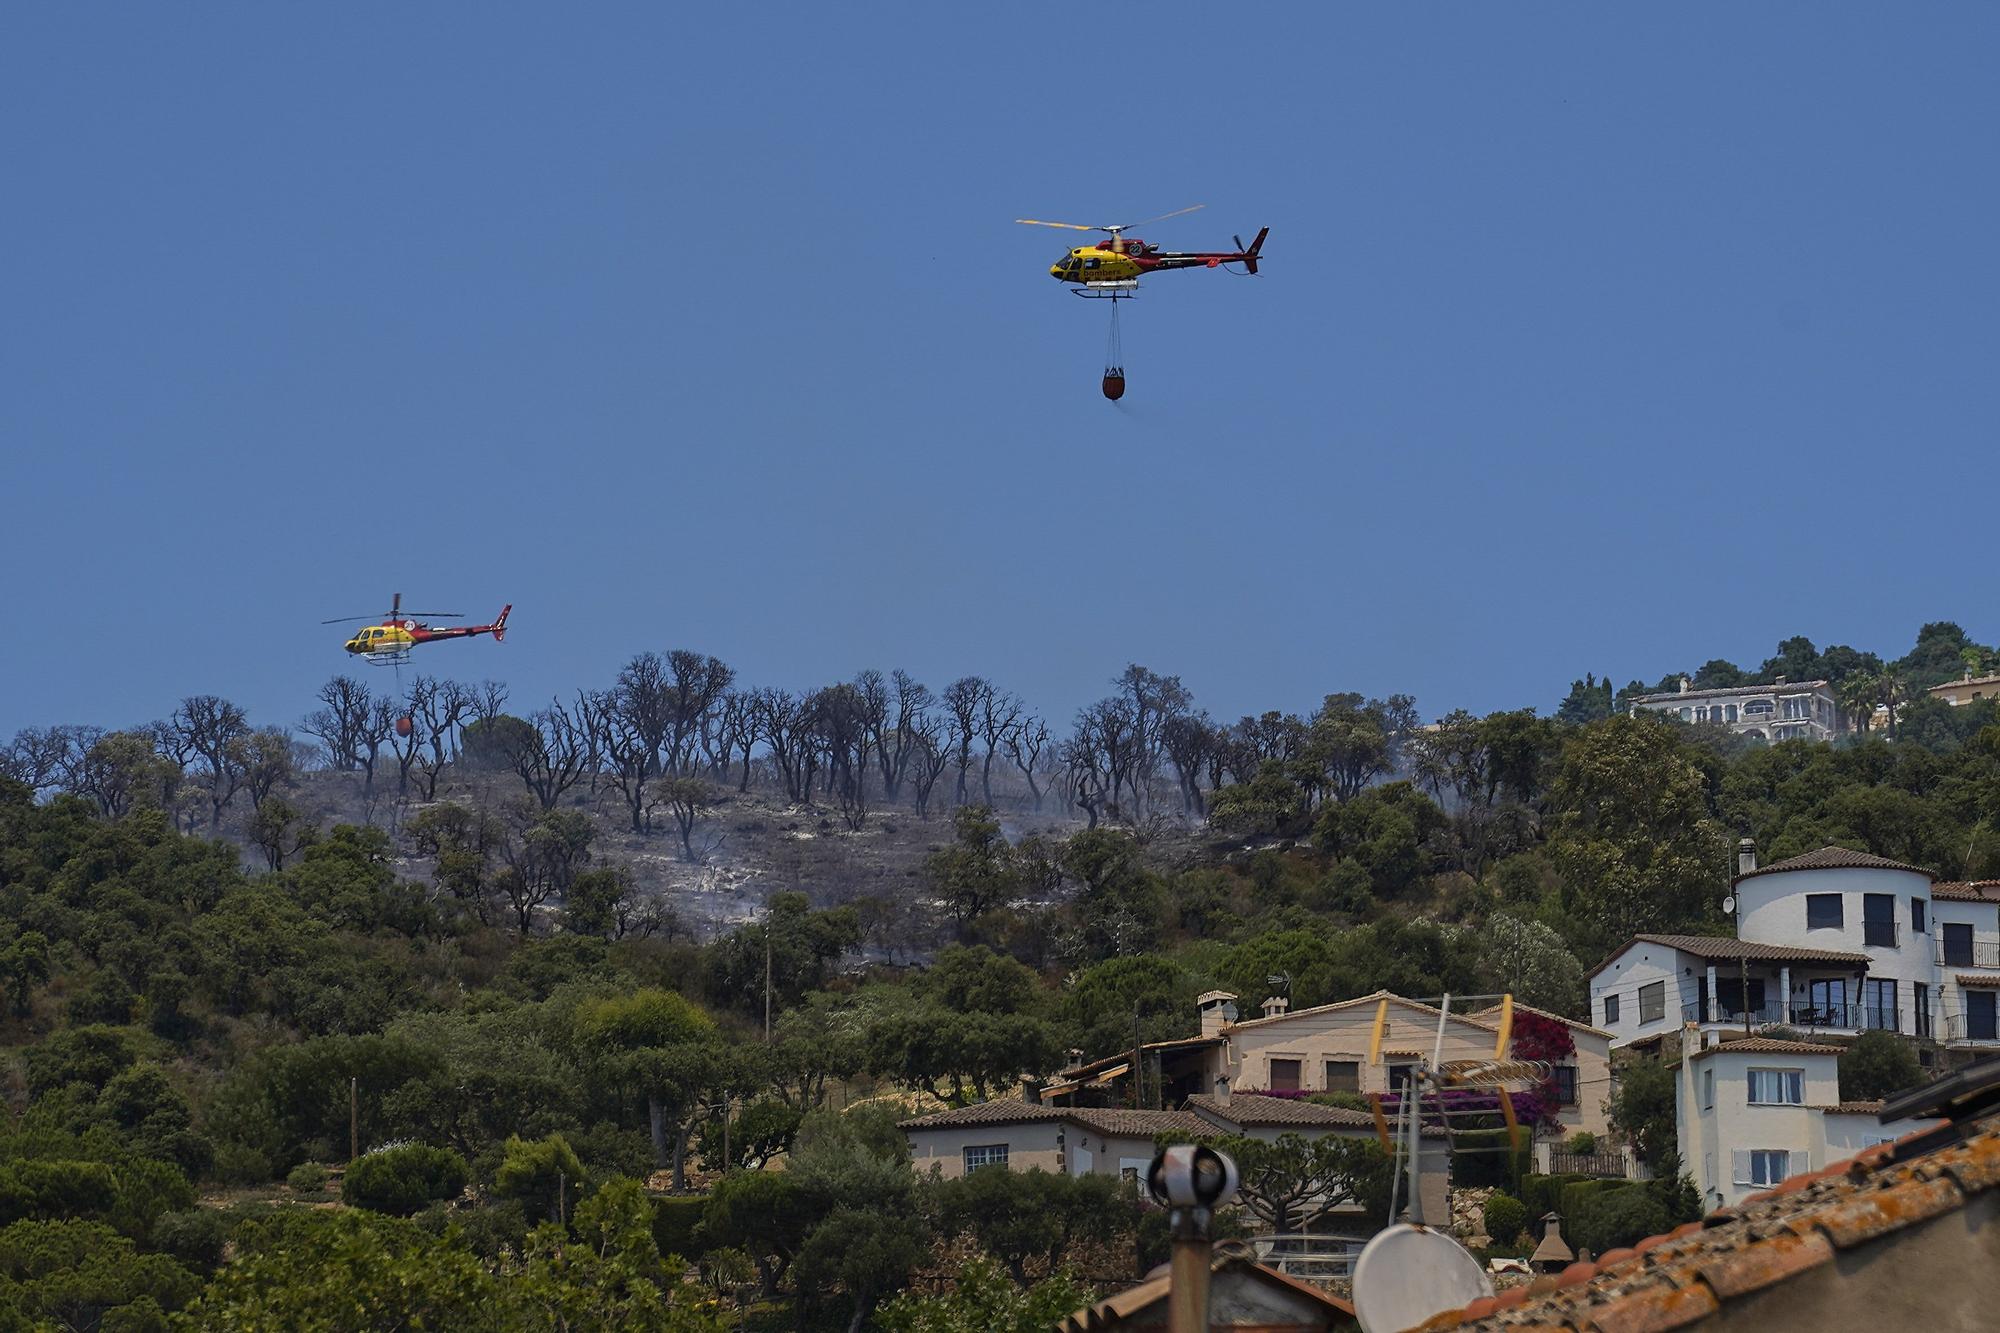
1114	385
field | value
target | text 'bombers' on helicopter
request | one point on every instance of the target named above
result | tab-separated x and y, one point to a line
389	642
1110	270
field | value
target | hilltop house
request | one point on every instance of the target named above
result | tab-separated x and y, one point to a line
1780	711
1753	1112
1833	943
1288	1052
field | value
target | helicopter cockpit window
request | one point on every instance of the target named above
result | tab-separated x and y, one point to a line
1090	263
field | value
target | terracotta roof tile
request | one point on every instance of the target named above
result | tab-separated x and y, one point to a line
1767	1046
1728	948
984	1113
1246	1109
1967	890
1831	858
1136	1124
1686	1275
1976	980
1852	1108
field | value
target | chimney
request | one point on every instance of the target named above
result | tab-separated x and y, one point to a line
1779	681
1218	1010
1691	1042
1686	684
1031	1090
1276	1004
1222	1089
1746	856
1553	1254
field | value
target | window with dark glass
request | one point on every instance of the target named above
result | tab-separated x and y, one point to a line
1920	1001
1878	1004
1980	1016
1826	1004
1957	943
1343	1076
1652	1002
1730	992
1917	916
1823	911
1285	1075
1878	919
1399	1076
1563	1077
1610	1011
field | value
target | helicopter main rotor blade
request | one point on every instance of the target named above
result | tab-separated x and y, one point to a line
438	615
346	620
1070	226
1126	226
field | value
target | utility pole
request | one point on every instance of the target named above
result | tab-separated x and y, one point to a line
1138	1065
767	975
353	1118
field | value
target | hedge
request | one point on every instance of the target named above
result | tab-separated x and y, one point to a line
674	1221
1482	1159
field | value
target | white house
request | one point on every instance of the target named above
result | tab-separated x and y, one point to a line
1832	943
1780	711
1753	1111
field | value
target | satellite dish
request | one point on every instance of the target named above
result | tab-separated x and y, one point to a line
1409	1273
1729	904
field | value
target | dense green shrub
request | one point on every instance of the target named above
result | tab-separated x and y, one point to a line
1505	1218
1617	1218
1483	1158
544	1174
307	1178
401	1179
675	1223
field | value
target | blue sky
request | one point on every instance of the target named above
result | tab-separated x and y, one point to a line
1589	338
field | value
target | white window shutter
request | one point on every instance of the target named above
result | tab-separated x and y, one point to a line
1739	1166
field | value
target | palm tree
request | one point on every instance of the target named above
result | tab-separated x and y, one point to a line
1859	693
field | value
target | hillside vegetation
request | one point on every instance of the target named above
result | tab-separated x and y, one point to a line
442	957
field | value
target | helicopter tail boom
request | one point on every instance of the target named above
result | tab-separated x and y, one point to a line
1250	255
500	624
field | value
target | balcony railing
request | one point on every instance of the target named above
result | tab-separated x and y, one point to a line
1805	1016
1980	953
1962	1027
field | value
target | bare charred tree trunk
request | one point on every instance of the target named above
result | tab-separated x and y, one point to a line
928	763
914	702
999	715
550	759
964	700
340	724
781	721
697	683
1026	743
737	723
212	728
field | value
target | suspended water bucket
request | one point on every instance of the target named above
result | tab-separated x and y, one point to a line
1114	383
404	726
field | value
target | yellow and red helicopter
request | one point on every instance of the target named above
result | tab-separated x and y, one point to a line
1111	269
388	643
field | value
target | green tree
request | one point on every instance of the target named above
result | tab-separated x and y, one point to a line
1505	1218
609	1278
1292	1181
976	874
401	1179
543	1174
1878	1065
1018	1216
981	1299
332	1272
766	1214
1633	838
1642	1108
1588	700
84	1275
660	1047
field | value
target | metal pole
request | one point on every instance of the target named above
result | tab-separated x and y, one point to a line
767	976
353	1118
1187	1298
1138	1069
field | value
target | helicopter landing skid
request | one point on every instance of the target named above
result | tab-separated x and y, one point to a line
1123	290
397	658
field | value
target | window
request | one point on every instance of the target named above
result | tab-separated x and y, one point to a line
1826	1004
986	1154
1957	943
1708	1089
1757	708
1652	1002
1823	911
1878	919
1878	1004
1763	1167
1729	712
1920	1000
1980	1016
1917	916
1610	1011
1284	1076
1343	1076
1687	715
1399	1076
1129	1174
1736	999
1563	1077
1778	1087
